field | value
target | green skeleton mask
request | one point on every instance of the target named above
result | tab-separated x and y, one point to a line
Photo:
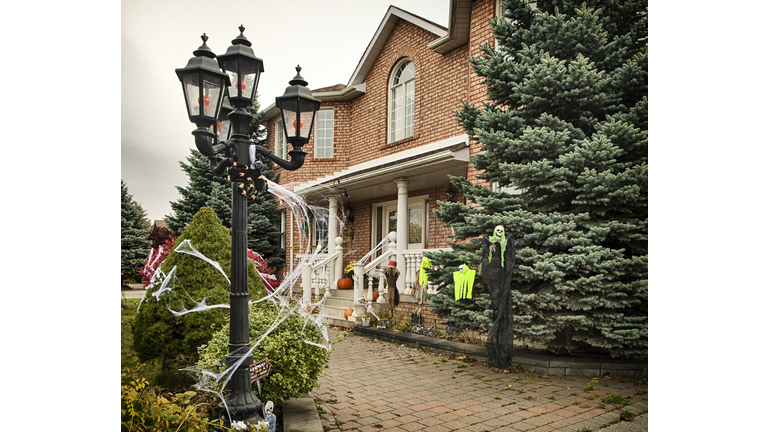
498	237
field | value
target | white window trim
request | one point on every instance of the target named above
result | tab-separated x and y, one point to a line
333	135
389	101
508	189
280	150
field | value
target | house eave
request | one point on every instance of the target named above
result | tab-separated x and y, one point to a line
424	166
347	93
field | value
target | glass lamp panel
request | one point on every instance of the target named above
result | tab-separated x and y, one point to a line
192	93
249	85
289	122
230	68
225	127
212	95
306	124
232	89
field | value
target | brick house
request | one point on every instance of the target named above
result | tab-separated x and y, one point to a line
385	143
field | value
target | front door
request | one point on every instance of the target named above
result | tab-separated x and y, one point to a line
385	221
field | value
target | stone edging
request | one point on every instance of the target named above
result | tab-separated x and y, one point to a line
539	363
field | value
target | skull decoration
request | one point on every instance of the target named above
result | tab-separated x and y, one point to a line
499	231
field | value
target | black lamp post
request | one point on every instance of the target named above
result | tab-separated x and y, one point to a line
227	148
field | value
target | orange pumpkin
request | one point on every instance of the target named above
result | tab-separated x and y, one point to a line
348	313
345	283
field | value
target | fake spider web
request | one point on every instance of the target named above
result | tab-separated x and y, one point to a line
214	376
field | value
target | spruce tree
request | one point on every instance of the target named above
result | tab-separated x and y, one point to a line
564	134
157	333
205	189
134	228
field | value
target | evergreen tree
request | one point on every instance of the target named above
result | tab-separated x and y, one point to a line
205	189
564	134
157	332
134	244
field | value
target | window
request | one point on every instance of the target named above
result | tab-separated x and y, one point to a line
281	146
321	233
280	225
401	97
385	221
324	134
508	189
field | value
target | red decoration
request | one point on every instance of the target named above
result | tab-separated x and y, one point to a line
241	86
151	266
206	102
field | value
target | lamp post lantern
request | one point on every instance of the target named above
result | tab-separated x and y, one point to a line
229	150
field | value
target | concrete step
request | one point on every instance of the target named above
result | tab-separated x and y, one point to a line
300	415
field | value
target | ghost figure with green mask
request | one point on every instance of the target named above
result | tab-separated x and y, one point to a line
497	263
463	280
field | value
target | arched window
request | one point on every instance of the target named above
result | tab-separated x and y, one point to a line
401	96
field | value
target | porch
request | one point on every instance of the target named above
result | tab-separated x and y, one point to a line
320	277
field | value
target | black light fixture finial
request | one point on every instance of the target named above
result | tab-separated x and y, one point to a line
298	79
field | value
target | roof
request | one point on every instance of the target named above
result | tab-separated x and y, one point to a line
455	35
424	166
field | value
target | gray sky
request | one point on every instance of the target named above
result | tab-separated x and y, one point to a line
327	38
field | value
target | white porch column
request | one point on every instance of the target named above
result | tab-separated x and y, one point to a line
338	266
359	310
402	229
333	232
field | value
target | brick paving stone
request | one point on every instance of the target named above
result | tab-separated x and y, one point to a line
545	428
440	410
430	421
538	421
382	386
386	416
523	426
412	426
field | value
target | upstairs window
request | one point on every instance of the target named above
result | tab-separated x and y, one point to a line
324	134
281	146
401	101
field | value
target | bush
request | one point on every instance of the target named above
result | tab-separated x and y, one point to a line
143	408
296	366
157	333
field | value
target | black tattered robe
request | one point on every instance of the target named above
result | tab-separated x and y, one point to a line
498	279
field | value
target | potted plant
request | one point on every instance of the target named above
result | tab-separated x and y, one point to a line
346	281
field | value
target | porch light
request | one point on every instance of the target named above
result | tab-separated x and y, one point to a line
243	69
203	84
297	109
450	194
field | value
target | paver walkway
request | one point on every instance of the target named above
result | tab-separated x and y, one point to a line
376	386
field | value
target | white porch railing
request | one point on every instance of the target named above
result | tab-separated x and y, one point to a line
322	273
375	272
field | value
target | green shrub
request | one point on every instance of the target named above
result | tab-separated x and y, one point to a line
296	366
143	408
157	333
